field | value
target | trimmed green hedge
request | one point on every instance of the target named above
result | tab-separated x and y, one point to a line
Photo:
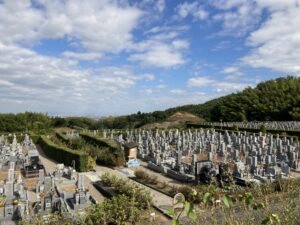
62	137
101	142
110	153
63	154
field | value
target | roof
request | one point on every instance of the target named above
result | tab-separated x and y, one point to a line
130	145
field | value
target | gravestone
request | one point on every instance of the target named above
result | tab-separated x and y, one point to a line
47	185
80	182
9	189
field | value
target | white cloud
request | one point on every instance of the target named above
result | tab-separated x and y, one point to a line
160	55
218	86
161	86
200	82
233	73
177	91
231	69
276	44
275	5
147	77
19	21
194	9
84	56
273	40
161	50
239	17
227	4
29	81
160	5
160	29
102	26
148	91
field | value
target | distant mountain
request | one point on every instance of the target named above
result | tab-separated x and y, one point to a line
277	100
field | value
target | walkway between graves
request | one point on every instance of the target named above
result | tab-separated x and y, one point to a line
50	166
160	200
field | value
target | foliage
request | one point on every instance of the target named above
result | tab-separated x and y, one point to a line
143	198
49	219
107	152
274	203
276	100
64	155
263	129
23	122
120	210
103	151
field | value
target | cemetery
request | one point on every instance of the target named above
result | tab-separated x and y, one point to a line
198	155
271	125
26	189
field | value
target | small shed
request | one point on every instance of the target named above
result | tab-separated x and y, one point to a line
130	149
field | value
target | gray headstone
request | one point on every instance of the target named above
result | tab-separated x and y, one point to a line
41	175
80	182
47	185
9	188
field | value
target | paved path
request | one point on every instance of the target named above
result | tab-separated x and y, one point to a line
49	164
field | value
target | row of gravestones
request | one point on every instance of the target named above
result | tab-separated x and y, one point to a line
272	125
16	197
11	157
253	150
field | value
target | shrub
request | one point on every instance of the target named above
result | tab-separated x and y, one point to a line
152	180
64	155
127	188
118	210
162	185
263	129
140	174
172	190
109	151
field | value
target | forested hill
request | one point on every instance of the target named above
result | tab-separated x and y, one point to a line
277	99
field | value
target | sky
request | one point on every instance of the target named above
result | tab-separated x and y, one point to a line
116	57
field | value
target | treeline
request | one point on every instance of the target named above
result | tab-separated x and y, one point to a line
131	121
27	121
274	100
277	100
40	122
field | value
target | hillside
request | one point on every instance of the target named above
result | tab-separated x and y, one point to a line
176	120
277	100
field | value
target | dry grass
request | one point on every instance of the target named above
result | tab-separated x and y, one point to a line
30	183
69	188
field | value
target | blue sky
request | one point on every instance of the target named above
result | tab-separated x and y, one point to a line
115	57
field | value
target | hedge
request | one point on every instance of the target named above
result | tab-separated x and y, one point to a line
111	152
62	137
63	154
